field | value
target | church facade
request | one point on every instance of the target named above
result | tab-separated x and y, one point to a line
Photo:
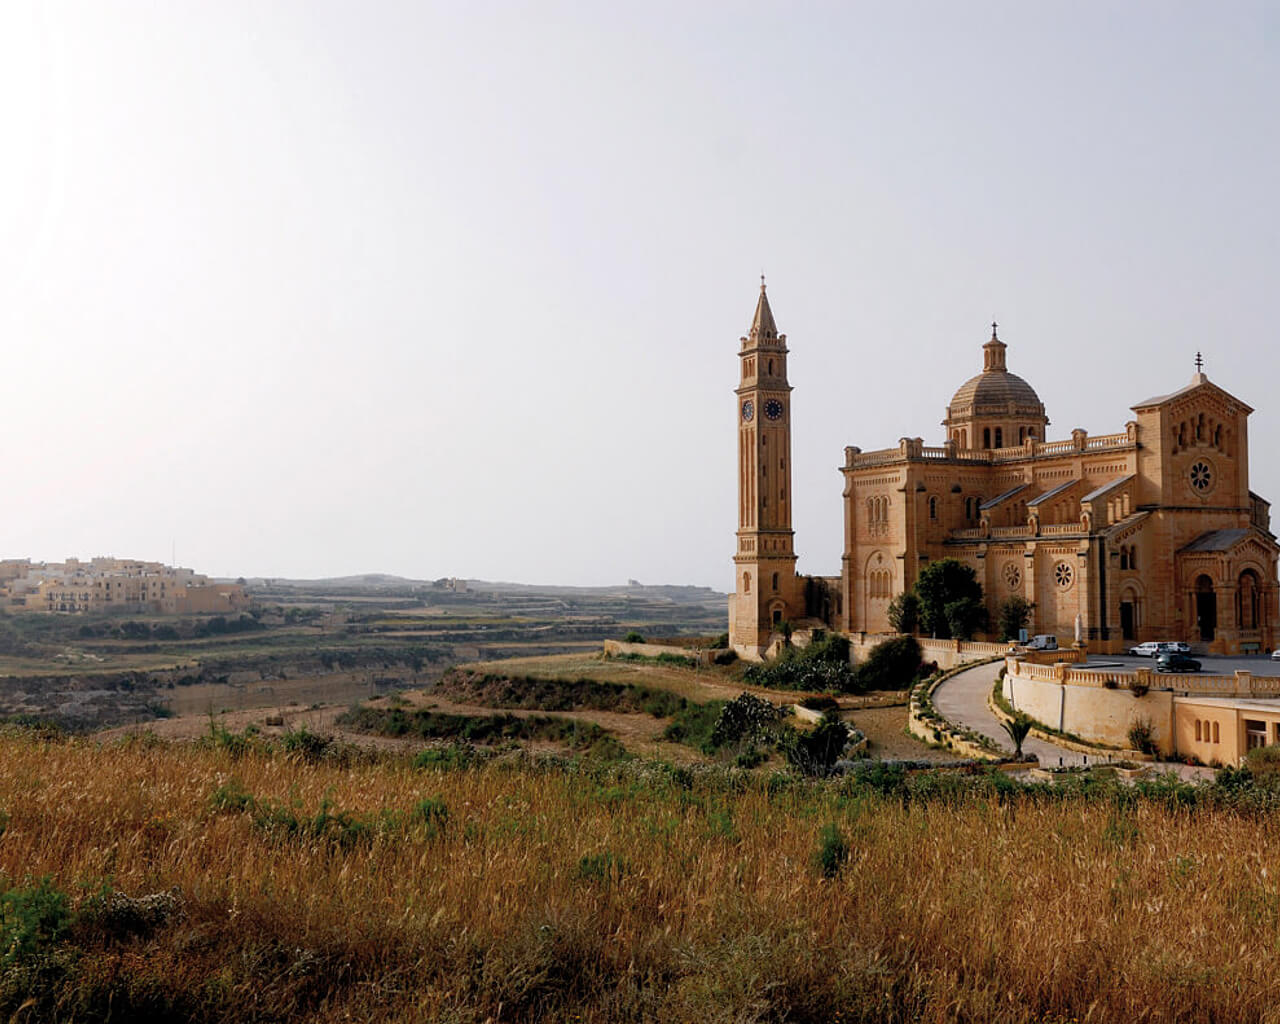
1148	533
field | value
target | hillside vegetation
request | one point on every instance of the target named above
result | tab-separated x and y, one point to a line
232	881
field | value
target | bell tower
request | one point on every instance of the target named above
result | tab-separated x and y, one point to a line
766	593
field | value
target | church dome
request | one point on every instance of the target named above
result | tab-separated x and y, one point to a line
995	406
995	391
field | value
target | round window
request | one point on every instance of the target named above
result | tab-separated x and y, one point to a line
1012	576
1201	476
1063	575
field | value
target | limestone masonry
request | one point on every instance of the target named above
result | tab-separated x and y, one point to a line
1149	533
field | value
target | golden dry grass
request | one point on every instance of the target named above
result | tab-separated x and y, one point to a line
630	894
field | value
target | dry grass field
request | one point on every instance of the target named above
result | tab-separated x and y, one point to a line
329	885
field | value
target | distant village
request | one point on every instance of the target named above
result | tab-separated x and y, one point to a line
113	585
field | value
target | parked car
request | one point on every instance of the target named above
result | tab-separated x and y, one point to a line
1154	647
1275	655
1174	661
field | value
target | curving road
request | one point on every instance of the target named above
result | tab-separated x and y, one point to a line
962	700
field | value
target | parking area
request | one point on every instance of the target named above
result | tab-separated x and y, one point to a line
1215	665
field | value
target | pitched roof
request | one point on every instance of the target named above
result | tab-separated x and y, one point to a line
1100	491
1051	493
1218	540
1007	494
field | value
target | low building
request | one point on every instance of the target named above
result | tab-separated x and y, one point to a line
114	584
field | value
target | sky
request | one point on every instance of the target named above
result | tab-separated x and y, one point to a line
306	288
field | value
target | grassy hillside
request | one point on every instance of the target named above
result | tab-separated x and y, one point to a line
302	881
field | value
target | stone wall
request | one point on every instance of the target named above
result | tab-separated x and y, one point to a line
950	653
1089	710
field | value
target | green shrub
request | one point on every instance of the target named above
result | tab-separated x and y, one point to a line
1012	615
1142	735
455	757
823	666
305	744
694	724
904	613
1264	764
432	814
605	868
815	752
891	665
832	852
751	757
746	717
633	638
32	918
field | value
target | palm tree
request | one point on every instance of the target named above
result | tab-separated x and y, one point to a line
1017	727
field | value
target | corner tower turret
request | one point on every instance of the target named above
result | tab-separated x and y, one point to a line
766	593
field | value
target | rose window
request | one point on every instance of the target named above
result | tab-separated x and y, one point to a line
1012	576
1201	476
1062	575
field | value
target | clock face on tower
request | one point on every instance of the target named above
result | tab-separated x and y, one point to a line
773	409
748	410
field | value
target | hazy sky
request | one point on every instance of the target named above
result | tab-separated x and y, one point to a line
307	288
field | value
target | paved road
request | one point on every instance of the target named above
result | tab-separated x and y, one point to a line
1214	665
962	700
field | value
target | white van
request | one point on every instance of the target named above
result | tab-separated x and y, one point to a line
1042	642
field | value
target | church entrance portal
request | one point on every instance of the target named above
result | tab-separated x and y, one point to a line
1126	619
1206	608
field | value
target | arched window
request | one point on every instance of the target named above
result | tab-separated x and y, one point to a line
1215	732
933	508
775	581
746	582
1247	591
1197	730
999	437
986	437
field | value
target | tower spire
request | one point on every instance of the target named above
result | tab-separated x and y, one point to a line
762	324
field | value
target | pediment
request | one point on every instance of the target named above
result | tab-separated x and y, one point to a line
1200	394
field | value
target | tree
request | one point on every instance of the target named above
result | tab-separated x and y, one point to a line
1013	614
945	582
964	617
904	612
1017	727
815	752
891	665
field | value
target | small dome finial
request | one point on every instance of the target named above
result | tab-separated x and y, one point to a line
1199	363
994	336
762	280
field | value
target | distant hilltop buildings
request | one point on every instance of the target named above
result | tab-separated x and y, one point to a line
113	584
